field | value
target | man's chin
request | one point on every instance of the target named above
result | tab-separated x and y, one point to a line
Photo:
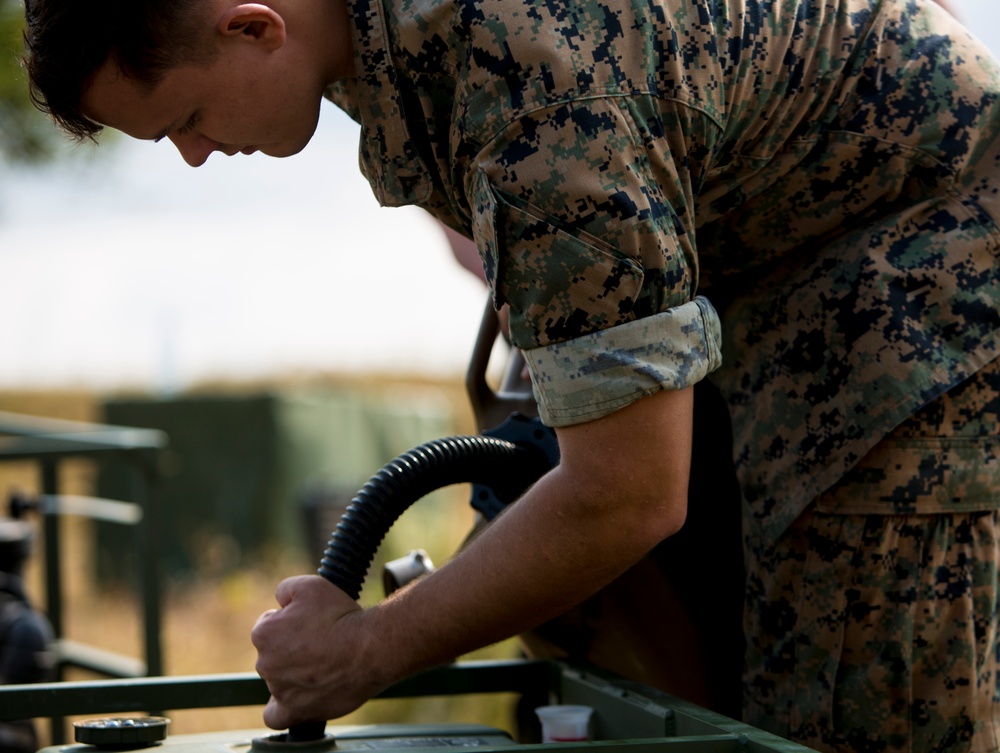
285	149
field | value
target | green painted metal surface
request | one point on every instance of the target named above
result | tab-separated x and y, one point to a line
628	717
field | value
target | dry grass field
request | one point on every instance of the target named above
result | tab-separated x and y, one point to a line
207	619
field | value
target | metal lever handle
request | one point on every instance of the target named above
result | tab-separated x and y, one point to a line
310	731
491	407
306	732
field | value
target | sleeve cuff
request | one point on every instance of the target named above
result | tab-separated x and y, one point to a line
592	376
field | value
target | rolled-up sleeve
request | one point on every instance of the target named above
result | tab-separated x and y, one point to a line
592	376
581	234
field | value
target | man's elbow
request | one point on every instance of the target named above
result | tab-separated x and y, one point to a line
633	465
673	519
664	513
643	507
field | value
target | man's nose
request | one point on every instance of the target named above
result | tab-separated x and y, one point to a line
194	147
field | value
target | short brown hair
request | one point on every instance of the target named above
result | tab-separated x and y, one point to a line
67	41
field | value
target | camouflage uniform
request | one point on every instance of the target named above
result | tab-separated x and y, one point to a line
875	616
795	196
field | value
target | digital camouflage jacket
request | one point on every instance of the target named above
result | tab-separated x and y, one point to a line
797	197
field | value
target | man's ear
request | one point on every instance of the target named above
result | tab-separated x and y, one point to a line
254	20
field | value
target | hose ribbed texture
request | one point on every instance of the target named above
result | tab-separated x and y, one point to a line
508	469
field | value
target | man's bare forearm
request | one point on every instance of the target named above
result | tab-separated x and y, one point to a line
547	554
620	488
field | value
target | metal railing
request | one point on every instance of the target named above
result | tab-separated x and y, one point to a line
49	443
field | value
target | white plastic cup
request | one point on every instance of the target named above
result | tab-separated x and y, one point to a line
564	724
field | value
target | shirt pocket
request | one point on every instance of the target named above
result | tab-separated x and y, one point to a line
560	282
945	458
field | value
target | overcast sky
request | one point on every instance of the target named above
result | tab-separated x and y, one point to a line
125	267
128	267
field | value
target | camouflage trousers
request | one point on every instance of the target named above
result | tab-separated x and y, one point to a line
873	624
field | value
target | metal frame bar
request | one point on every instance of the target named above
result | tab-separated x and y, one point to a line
48	442
630	718
245	689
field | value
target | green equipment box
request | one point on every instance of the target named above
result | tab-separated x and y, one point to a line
627	717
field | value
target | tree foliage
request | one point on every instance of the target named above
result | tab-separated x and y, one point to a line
26	135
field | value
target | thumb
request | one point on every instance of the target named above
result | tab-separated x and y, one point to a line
275	715
290	588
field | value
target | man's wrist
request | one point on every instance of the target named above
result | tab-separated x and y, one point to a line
380	657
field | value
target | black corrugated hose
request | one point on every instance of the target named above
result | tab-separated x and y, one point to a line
507	468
